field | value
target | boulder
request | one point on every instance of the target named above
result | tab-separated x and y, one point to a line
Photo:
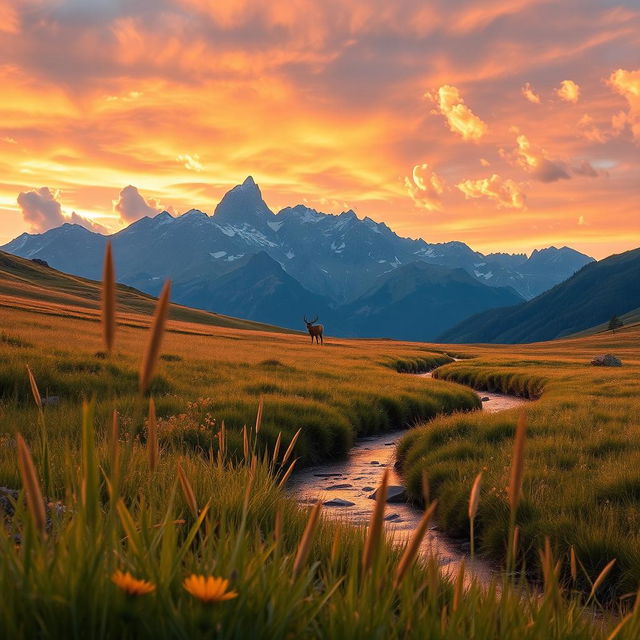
338	502
606	360
395	493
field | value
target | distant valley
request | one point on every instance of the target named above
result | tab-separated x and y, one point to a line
360	277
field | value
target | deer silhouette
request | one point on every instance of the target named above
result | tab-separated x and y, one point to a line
315	330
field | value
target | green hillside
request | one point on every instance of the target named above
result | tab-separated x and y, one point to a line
589	298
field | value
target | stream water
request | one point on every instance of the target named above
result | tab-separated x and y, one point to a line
346	487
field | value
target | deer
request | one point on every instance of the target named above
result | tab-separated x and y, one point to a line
315	330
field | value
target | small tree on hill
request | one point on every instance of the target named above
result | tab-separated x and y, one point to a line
615	323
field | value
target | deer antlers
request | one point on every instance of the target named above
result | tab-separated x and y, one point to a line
310	321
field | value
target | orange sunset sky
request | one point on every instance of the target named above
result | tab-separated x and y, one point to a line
506	124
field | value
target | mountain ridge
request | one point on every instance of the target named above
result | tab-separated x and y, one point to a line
591	296
337	257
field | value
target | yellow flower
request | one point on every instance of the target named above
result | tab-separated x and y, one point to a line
130	585
208	589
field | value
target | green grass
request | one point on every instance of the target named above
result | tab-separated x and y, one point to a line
582	456
123	516
116	511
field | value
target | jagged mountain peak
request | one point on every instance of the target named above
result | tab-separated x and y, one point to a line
243	205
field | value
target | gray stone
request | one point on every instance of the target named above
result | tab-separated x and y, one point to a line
395	493
392	516
339	486
374	462
338	502
367	488
485	399
606	360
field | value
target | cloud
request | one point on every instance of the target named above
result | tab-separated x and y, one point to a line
568	91
505	192
627	84
459	117
530	94
535	162
425	187
191	162
132	206
41	209
585	169
590	130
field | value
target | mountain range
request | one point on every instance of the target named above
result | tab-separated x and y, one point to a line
358	275
598	291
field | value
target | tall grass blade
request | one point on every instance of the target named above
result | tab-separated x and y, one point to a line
411	551
245	443
259	414
474	501
376	524
291	446
288	472
276	448
33	494
152	351
517	464
187	490
573	564
34	389
307	538
458	590
601	577
108	300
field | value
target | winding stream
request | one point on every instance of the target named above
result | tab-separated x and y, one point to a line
345	487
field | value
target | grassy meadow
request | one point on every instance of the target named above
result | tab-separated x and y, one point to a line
123	500
582	456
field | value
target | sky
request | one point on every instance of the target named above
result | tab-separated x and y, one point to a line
505	124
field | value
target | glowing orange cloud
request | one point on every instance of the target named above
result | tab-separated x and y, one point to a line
568	91
530	94
425	187
627	83
506	193
459	117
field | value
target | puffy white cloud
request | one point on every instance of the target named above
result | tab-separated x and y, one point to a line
568	91
425	187
506	192
41	209
191	162
627	84
530	94
132	206
459	117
